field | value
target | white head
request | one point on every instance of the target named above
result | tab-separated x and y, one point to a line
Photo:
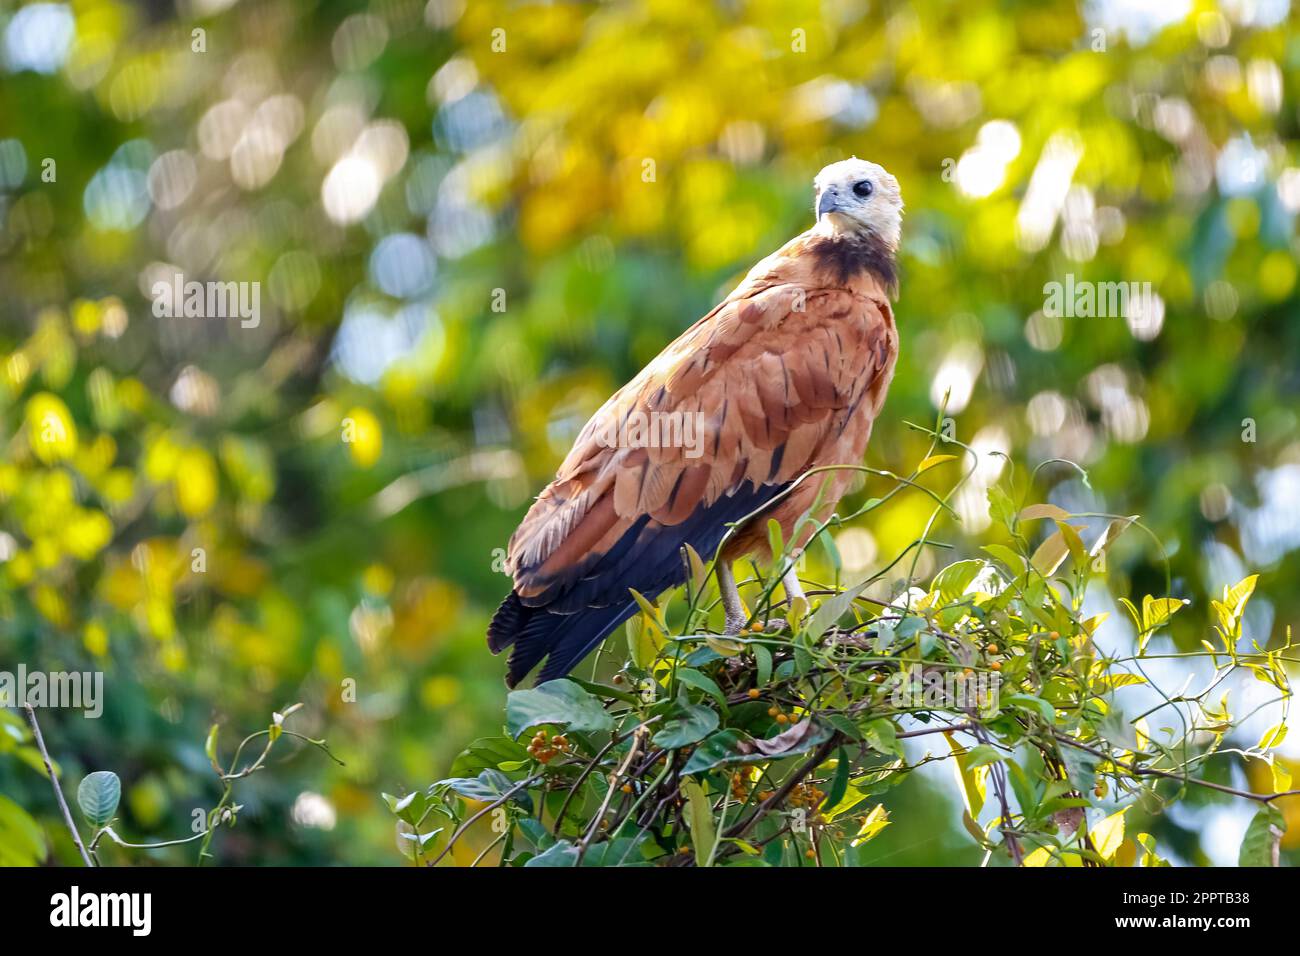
854	195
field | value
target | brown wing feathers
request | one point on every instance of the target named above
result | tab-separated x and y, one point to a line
772	387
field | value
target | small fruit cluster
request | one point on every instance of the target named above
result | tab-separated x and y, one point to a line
544	749
806	795
778	715
740	786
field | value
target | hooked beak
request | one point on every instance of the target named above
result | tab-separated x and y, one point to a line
828	202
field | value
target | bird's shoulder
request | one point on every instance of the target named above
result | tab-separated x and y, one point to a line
758	385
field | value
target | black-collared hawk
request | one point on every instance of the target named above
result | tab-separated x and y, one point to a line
788	373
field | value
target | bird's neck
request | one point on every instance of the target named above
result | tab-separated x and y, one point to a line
843	253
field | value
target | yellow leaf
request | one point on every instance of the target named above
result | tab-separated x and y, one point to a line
1040	857
1043	511
1273	737
1109	834
932	461
699	570
1049	555
971	783
872	823
723	646
700	818
1281	778
651	610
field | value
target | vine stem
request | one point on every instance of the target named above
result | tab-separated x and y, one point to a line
54	782
1170	775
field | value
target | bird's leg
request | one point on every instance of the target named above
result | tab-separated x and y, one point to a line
733	607
793	589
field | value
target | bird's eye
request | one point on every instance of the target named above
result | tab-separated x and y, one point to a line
863	188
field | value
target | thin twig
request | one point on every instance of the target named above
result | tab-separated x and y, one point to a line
1168	774
54	782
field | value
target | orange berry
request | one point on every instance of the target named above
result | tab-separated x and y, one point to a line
996	665
992	648
753	693
773	711
782	719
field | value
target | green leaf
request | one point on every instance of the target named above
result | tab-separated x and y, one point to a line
722	747
832	610
763	658
691	725
22	842
699	817
555	702
1033	704
982	756
1264	831
1080	767
98	796
839	783
487	752
882	736
1001	507
1116	728
487	787
561	853
210	747
1156	612
952	581
775	540
688	675
1014	562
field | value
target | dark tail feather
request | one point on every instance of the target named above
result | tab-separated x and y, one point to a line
537	632
507	622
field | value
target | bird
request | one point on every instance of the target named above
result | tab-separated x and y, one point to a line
786	374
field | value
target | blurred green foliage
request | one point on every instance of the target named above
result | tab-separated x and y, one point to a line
470	222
